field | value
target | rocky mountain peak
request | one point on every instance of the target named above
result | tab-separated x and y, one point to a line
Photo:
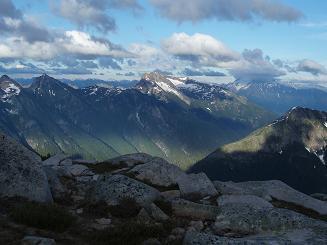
297	113
48	85
159	84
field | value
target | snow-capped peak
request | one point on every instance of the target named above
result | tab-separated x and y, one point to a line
9	88
156	83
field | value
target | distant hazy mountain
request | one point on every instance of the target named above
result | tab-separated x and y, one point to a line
82	83
278	97
178	119
292	149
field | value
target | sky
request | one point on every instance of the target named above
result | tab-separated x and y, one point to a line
212	40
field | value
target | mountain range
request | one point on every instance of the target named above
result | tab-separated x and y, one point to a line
178	119
280	97
292	149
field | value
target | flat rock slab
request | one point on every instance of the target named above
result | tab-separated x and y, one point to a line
195	211
245	219
273	189
21	172
114	188
251	200
55	160
158	172
196	186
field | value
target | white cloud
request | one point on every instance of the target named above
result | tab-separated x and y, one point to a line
199	48
232	10
312	67
92	13
74	43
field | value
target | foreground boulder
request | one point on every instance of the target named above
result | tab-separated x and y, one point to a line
158	172
273	190
21	172
114	188
196	186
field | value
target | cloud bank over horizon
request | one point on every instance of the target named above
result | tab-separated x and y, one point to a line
89	42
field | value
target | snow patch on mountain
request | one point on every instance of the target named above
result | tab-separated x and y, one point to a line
176	81
320	156
164	86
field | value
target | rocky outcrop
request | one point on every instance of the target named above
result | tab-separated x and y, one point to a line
273	190
114	188
159	172
155	202
21	172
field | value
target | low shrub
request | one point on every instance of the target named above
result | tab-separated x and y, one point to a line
127	208
106	167
130	233
43	216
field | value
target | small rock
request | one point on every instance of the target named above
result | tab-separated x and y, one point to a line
144	217
196	225
103	221
79	211
34	240
156	213
178	232
152	241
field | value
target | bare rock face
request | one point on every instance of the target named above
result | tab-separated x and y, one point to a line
158	172
273	190
196	186
21	172
114	188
